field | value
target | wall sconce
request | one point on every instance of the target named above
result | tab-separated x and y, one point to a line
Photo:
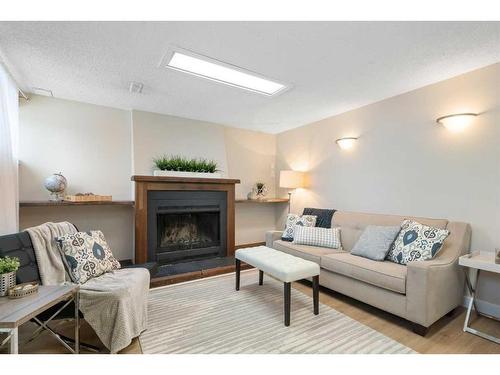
457	122
346	143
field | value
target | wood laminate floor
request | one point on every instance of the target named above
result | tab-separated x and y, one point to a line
445	336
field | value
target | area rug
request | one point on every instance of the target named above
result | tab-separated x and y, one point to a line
208	316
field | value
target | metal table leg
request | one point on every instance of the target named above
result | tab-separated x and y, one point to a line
12	338
14	341
472	302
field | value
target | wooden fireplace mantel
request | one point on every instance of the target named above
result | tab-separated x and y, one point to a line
143	184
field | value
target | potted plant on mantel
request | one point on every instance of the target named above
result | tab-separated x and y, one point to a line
179	166
8	268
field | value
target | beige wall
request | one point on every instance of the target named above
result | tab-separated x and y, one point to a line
90	145
154	135
254	153
404	163
98	149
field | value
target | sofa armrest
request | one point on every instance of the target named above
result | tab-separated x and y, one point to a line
271	236
435	287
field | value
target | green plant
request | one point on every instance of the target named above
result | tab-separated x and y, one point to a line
182	164
8	264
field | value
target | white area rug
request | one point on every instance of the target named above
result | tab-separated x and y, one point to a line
209	316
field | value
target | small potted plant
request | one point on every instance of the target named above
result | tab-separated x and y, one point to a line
8	268
179	166
260	190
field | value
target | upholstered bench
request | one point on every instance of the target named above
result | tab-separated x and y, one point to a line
284	267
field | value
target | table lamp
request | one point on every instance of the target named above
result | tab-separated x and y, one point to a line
291	180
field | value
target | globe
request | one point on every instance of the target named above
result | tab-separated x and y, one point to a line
56	184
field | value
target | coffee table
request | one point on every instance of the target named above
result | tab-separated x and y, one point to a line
15	312
284	267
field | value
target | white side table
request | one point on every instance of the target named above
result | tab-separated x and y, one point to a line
478	261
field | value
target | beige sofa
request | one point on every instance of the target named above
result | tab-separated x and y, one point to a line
421	292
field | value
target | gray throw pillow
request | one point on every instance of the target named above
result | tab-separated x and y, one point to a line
375	241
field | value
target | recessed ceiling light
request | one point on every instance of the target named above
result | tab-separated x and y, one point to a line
218	71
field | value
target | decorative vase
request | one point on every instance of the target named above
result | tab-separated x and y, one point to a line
7	280
252	195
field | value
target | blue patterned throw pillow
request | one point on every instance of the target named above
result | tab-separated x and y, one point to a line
292	220
86	255
416	242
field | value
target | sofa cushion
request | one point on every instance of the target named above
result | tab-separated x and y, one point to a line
292	221
416	242
375	242
315	236
323	216
312	253
86	255
352	224
387	275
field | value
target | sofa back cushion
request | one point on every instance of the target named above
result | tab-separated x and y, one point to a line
352	224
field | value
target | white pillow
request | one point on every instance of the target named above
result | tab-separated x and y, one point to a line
316	236
294	220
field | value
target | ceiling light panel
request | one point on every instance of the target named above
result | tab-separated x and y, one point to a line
221	72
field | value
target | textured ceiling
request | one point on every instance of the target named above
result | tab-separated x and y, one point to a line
333	66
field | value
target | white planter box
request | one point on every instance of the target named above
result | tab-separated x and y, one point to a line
158	172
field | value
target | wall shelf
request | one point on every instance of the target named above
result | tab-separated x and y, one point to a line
131	203
66	203
261	201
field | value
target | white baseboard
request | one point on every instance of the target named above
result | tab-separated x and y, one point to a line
484	307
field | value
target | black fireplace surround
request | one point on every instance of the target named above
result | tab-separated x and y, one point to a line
185	226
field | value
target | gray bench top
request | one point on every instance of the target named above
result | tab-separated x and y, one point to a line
284	267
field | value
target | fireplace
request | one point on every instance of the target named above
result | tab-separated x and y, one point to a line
184	221
186	226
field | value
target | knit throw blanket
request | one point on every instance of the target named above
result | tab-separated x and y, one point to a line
114	304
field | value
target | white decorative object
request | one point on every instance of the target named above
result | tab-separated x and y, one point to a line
56	184
252	195
158	172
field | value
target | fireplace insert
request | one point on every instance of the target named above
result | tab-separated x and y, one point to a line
186	226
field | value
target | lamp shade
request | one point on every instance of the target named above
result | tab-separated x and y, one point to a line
291	179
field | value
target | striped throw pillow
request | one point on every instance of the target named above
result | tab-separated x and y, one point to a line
316	236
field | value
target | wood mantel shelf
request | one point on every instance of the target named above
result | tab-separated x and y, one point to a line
184	180
67	203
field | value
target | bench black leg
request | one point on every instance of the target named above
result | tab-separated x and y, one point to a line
288	290
238	269
261	277
316	294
